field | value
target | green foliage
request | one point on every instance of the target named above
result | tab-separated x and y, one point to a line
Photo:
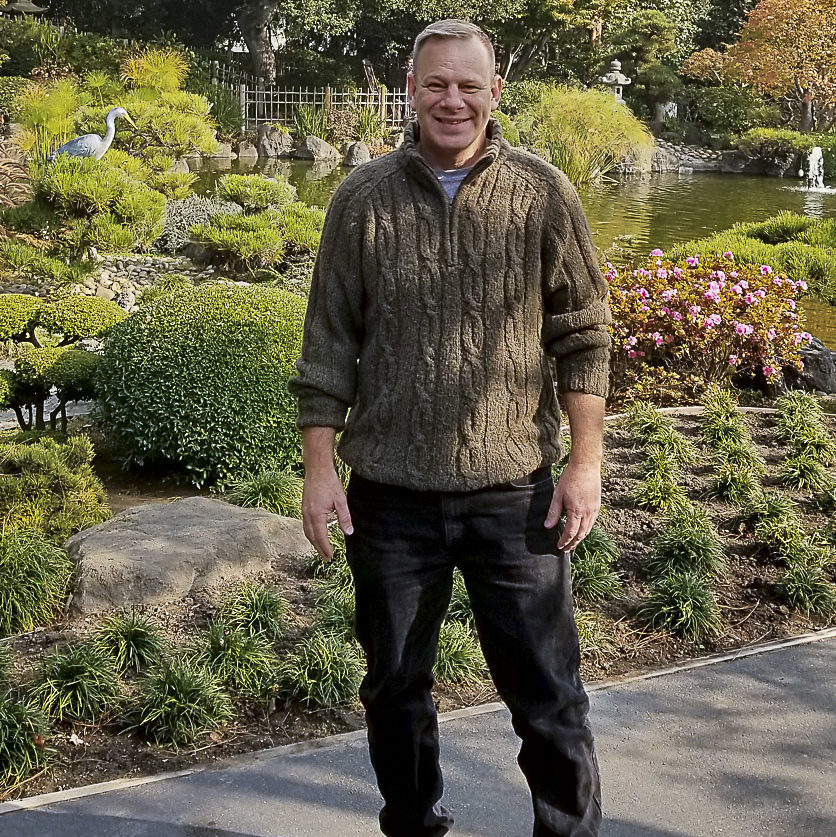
10	89
179	702
162	70
274	489
740	454
459	658
226	106
459	608
50	488
77	317
804	472
301	226
29	262
198	379
777	144
510	132
77	682
311	121
775	518
253	240
593	639
36	576
18	315
660	489
802	424
5	662
807	588
687	542
370	125
336	604
255	193
22	731
256	609
684	604
593	576
132	640
733	483
322	671
733	110
243	662
802	248
585	133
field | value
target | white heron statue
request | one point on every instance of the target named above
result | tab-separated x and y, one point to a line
92	145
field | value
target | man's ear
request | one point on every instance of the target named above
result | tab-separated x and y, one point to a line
496	92
410	89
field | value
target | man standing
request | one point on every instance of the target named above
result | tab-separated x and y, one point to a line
453	274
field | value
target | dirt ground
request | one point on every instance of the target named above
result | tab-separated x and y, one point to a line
752	613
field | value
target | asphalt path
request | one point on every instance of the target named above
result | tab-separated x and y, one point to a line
738	748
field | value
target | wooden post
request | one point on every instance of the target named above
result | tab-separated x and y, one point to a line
215	72
327	97
381	103
242	93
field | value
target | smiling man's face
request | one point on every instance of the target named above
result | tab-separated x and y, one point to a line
453	90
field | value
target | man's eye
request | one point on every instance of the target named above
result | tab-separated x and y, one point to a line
435	87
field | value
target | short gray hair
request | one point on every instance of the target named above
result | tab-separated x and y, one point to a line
453	28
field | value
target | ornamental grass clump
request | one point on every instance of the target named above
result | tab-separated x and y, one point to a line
256	609
687	542
459	658
802	424
653	430
683	603
179	702
335	606
460	608
77	682
742	455
680	324
278	490
804	472
594	640
23	730
35	577
660	489
254	193
322	671
593	576
243	662
733	483
807	588
133	641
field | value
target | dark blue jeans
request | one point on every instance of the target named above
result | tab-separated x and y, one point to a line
402	554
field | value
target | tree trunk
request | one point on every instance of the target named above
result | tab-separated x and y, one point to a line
253	21
523	57
805	121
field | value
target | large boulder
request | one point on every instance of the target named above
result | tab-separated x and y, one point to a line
246	151
316	149
819	371
357	153
665	159
274	142
160	552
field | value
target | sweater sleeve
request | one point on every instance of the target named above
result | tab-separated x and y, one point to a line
576	311
326	382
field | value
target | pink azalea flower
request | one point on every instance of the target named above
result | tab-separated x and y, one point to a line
631	354
656	252
737	289
670	293
791	304
733	360
632	340
677	315
718	274
643	293
750	299
694	310
657	338
734	274
677	271
692	261
728	255
770	371
777	281
765	270
743	329
761	293
771	334
801	284
661	273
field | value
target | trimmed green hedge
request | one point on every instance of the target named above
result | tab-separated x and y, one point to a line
10	86
197	378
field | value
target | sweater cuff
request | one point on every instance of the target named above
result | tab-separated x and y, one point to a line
321	411
586	371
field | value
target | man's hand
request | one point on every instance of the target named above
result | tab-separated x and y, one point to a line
578	494
322	496
323	493
578	491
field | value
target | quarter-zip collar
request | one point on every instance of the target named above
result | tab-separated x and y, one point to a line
409	147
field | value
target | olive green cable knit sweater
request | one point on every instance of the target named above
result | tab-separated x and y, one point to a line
429	319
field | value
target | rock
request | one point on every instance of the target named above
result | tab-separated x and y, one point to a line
316	149
664	159
125	300
179	167
274	142
357	153
697	163
161	552
246	151
224	151
104	293
819	371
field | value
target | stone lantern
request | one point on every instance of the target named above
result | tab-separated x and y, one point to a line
616	80
22	7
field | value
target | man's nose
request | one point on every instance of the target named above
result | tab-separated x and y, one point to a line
453	98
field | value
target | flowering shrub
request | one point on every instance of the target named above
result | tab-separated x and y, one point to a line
679	326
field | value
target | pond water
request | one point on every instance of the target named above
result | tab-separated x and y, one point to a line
639	214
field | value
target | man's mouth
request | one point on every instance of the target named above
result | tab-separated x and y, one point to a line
451	121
